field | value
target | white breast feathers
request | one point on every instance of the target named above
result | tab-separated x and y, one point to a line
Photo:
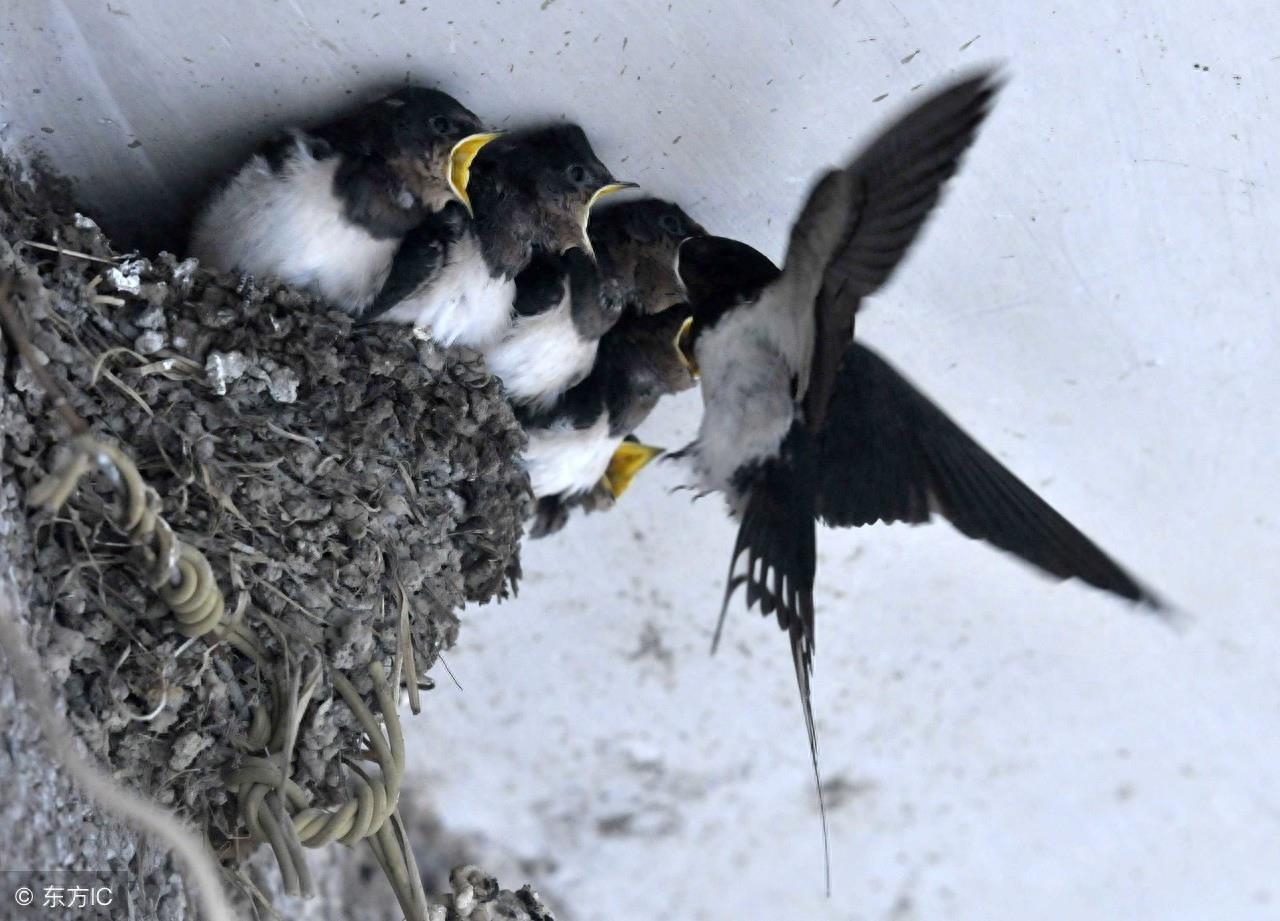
290	225
746	393
541	356
463	303
563	459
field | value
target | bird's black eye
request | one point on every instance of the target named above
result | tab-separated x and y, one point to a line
671	224
577	174
441	125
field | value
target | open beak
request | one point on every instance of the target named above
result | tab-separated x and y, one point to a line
600	193
682	348
460	159
629	459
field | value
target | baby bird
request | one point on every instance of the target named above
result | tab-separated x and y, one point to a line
563	306
636	242
580	451
326	209
518	281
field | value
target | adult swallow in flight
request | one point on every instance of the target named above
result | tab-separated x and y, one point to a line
801	424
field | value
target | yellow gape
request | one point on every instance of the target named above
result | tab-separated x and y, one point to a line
628	460
682	348
599	194
460	159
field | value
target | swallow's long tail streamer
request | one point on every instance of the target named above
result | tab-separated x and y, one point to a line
777	535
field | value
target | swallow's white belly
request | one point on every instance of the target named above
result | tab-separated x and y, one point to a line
289	225
464	304
562	459
541	356
747	400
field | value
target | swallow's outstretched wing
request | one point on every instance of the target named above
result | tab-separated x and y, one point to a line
860	221
889	454
854	229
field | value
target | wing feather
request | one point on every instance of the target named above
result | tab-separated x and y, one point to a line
859	222
889	454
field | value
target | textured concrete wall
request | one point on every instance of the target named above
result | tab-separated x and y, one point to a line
1096	301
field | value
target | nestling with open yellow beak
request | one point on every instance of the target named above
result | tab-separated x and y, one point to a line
580	453
519	280
326	208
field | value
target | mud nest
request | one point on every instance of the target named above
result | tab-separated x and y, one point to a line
351	488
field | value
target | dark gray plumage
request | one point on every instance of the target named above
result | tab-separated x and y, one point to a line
636	242
801	425
574	443
580	453
517	280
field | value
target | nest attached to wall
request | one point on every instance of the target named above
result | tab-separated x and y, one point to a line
349	487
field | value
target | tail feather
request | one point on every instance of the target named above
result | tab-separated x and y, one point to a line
777	535
804	668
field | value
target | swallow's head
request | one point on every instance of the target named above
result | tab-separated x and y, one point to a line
662	349
557	176
643	348
429	139
718	274
636	243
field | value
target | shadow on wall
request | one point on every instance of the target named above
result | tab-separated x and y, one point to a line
146	196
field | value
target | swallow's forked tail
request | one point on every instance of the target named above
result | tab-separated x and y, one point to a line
777	536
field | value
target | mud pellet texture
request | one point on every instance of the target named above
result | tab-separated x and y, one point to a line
325	470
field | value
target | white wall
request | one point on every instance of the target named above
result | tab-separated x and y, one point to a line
1095	301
